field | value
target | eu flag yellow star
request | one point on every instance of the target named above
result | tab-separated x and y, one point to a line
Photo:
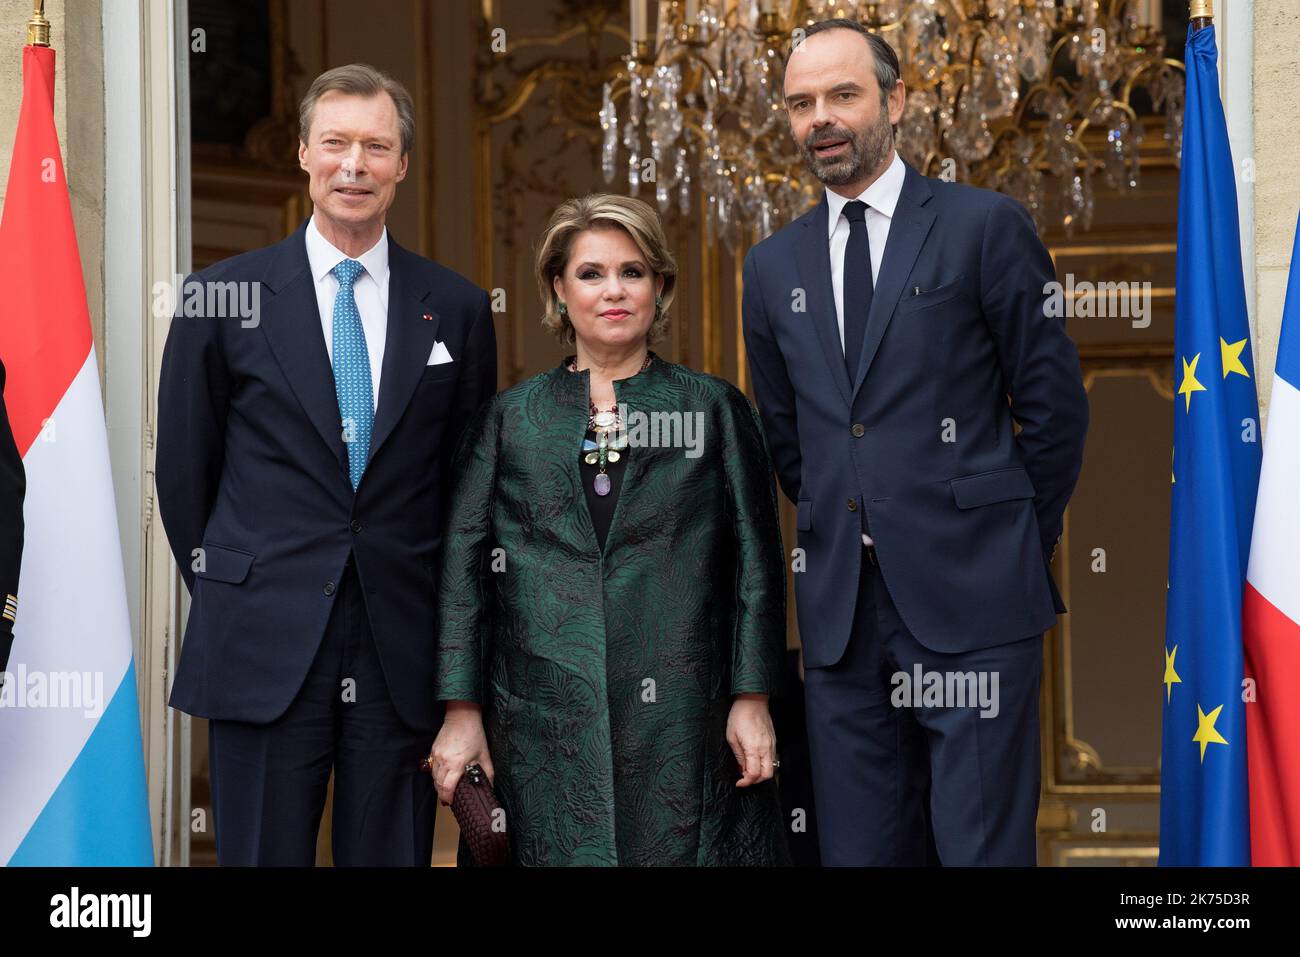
1205	730
1231	355
1171	676
1189	384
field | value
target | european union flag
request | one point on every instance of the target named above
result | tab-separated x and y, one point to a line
1203	804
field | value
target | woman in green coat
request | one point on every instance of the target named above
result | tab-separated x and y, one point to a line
612	601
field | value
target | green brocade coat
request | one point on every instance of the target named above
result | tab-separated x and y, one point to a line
606	679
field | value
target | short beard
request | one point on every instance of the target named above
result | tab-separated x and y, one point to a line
867	151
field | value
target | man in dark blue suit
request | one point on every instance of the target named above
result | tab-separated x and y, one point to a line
894	334
311	397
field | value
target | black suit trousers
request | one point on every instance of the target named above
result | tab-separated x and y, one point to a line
269	781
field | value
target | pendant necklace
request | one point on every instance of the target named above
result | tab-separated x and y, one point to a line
611	441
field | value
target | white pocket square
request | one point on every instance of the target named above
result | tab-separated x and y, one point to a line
439	355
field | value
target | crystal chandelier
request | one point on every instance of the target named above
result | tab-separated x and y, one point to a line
1000	94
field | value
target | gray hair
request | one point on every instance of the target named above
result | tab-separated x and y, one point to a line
359	79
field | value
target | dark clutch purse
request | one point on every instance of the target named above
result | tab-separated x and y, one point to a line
481	818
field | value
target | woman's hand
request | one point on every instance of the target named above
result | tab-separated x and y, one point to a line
752	738
460	742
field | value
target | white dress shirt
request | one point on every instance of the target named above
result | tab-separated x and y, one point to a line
370	291
881	198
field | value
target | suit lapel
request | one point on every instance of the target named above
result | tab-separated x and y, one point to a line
907	232
812	252
409	341
293	329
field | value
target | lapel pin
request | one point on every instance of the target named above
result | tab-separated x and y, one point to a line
427	318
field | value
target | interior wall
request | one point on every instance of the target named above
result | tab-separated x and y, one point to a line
1277	188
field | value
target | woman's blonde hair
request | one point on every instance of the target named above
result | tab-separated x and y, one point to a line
602	211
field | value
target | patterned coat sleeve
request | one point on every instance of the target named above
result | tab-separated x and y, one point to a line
758	645
463	613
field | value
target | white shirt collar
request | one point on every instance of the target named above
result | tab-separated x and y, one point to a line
882	195
323	255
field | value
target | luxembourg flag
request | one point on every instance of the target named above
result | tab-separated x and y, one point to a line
72	784
1271	610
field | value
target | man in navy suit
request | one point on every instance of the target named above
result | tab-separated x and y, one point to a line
895	333
311	397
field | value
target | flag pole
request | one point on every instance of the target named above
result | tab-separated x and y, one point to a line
1201	13
38	28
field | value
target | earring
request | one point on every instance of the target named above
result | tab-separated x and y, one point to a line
659	300
564	310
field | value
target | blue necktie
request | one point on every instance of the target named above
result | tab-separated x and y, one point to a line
858	286
352	370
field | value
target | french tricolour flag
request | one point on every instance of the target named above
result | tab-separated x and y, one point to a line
72	784
1271	610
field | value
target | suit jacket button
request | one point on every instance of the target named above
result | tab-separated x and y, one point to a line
858	430
853	505
329	588
356	526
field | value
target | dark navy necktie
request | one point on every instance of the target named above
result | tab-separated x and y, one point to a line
858	285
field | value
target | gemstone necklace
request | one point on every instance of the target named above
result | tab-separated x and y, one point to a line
611	441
